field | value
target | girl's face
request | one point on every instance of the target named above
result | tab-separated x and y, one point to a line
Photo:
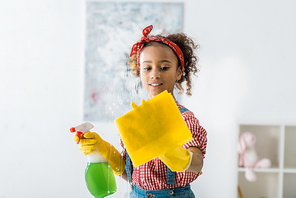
158	69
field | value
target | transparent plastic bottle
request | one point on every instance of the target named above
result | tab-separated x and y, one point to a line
99	176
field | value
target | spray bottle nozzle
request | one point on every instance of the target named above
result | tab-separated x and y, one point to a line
78	133
81	129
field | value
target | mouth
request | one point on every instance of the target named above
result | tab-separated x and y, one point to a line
156	84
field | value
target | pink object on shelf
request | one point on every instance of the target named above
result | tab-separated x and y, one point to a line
248	157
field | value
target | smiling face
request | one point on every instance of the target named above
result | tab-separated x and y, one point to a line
158	69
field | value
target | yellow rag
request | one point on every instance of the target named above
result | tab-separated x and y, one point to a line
153	128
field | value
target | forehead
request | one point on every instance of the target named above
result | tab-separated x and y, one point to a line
157	50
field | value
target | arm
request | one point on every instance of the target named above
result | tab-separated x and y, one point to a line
124	175
199	143
197	160
178	159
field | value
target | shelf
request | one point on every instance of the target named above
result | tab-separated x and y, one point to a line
261	187
277	143
262	170
267	141
286	170
290	147
269	170
289	190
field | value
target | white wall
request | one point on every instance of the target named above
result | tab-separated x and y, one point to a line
247	75
247	60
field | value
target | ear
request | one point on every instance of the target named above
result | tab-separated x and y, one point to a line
179	73
242	144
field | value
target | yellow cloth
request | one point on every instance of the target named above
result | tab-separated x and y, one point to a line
153	128
92	141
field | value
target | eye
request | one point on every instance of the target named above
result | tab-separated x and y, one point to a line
164	68
146	68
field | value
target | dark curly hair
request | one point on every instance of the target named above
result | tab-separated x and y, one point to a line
187	45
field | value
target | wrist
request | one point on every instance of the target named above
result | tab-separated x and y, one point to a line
190	160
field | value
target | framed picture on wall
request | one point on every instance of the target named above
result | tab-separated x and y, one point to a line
111	30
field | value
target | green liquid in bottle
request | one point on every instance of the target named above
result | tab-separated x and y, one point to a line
100	179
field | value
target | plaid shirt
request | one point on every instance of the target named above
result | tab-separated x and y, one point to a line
153	174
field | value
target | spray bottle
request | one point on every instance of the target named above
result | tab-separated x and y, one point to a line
99	176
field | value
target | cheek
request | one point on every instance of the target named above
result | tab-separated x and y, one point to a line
172	76
143	78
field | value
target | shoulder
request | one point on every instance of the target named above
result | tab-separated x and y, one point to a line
187	114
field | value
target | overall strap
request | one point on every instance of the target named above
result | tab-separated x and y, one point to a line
171	177
183	110
128	167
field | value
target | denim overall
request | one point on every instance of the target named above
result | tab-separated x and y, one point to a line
180	192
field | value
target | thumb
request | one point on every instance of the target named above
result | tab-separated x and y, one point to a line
89	135
93	135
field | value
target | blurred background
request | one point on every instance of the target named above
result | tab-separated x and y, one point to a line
247	75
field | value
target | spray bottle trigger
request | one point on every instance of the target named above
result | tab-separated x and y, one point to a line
80	135
81	129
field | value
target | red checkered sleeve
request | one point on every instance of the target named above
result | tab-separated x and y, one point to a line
199	134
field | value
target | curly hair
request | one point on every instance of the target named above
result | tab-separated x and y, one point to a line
187	45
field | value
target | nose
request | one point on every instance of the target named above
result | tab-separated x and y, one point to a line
155	74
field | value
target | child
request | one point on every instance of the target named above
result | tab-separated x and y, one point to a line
163	63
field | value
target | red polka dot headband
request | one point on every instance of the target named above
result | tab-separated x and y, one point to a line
137	47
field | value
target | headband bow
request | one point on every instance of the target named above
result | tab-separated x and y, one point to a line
137	47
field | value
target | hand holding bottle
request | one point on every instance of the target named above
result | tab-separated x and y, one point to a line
92	141
99	176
